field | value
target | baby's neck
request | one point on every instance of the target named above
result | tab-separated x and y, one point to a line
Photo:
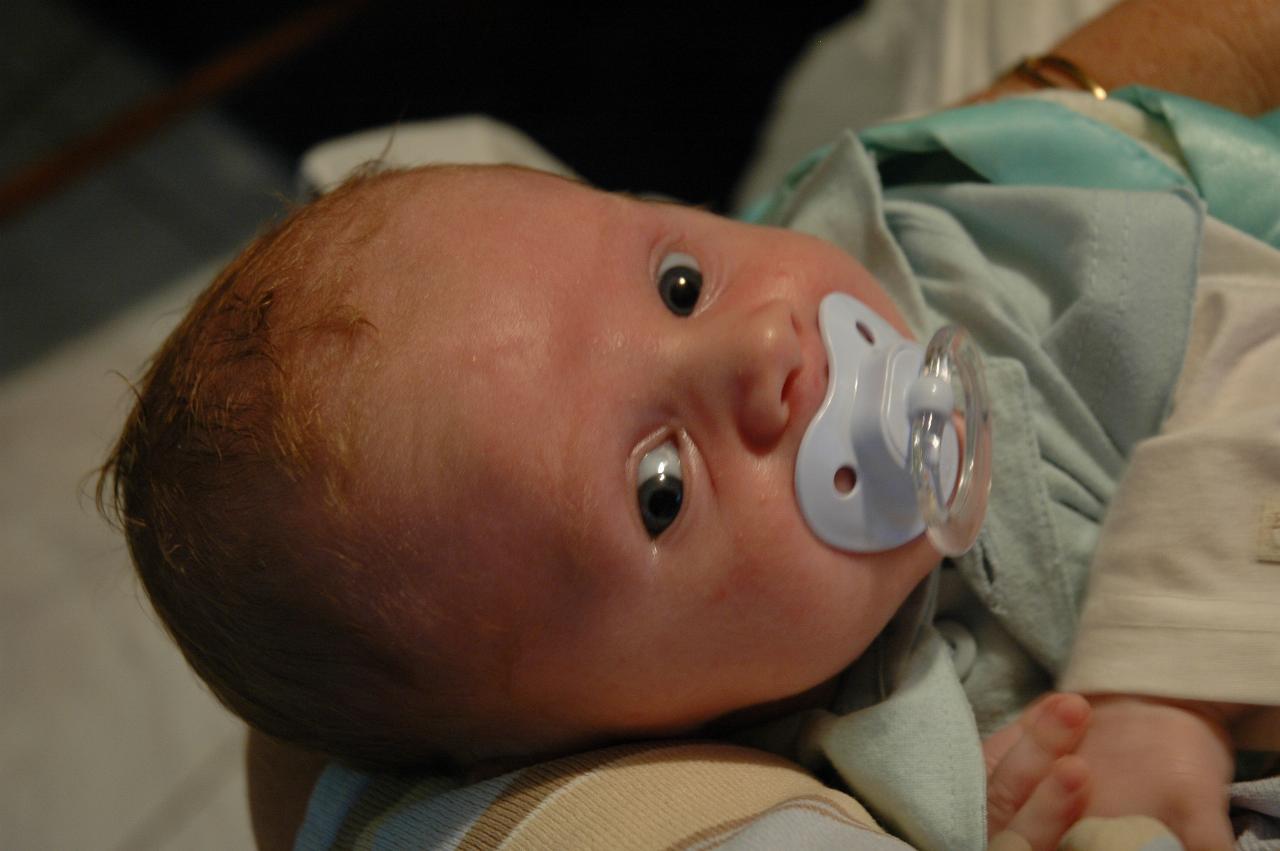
816	697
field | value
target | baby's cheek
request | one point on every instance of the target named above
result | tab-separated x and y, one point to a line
778	580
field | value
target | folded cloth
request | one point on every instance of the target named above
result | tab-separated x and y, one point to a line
687	795
681	796
1255	814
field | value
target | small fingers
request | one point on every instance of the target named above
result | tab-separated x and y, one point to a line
995	746
1054	806
1052	728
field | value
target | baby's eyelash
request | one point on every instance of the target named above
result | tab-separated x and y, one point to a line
660	487
679	282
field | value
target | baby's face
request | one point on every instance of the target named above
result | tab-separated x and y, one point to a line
587	419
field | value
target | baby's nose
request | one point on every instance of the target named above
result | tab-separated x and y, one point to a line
757	354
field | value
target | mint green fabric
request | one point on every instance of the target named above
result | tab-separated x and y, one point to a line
1234	160
1271	121
765	208
1025	141
1080	300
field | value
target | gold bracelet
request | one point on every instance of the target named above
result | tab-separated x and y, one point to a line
1032	70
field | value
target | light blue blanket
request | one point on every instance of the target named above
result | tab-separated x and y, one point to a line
1069	250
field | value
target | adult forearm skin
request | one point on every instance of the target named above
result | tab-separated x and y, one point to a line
1226	52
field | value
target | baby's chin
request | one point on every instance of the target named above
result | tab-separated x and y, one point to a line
815	697
530	740
528	746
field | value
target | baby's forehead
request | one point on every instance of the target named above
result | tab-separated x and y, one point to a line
480	187
466	228
474	324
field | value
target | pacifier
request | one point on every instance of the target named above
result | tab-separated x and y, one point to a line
902	442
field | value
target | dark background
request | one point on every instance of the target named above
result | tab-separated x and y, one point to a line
639	96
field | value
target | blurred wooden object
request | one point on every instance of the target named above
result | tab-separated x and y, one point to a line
136	124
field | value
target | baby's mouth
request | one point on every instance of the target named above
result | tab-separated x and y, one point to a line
853	480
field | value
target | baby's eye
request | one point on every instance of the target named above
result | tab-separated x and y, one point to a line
679	283
659	488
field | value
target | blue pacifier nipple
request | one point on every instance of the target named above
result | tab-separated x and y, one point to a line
882	460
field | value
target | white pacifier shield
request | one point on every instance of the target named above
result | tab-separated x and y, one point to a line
863	425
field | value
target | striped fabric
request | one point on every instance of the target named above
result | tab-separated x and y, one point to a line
690	796
682	796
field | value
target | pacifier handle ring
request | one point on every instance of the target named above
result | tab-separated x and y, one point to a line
952	372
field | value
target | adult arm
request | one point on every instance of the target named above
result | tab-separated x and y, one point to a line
1226	52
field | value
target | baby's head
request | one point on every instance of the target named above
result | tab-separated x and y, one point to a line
480	462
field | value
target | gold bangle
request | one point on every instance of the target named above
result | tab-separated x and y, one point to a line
1032	70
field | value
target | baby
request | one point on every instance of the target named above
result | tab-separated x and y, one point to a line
413	435
469	464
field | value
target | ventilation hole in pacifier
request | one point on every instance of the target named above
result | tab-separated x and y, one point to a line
866	332
846	479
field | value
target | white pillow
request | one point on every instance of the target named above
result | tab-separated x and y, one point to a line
462	139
